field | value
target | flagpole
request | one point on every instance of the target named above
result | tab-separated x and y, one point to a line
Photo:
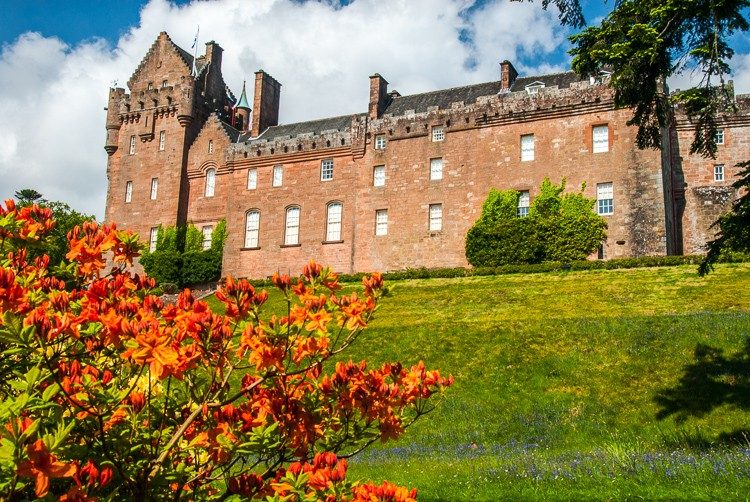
195	51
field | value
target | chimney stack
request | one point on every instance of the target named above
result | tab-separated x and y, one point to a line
508	75
213	54
265	103
378	96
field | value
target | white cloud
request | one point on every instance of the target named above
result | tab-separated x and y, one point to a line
52	95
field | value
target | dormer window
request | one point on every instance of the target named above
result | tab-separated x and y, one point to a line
533	88
600	77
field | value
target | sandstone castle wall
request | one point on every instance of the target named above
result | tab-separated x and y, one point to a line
664	202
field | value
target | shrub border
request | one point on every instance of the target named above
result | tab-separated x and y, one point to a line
536	268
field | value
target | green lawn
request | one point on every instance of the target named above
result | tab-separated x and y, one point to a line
580	385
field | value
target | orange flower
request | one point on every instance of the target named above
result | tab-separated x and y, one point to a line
42	465
386	492
156	349
318	321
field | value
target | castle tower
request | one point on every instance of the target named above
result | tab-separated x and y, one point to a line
149	132
242	112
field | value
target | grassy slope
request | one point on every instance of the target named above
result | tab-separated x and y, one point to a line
550	366
556	376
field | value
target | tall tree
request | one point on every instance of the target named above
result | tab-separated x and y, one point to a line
27	196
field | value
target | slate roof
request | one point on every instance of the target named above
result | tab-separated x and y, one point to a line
233	133
287	131
419	103
442	98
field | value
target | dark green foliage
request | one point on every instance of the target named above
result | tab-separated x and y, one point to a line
164	266
535	268
734	227
199	267
179	259
506	241
643	42
560	227
27	196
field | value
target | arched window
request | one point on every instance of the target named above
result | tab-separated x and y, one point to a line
291	226
252	228
210	182
333	221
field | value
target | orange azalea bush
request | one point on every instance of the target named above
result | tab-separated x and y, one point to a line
109	393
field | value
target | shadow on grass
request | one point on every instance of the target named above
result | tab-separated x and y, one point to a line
711	380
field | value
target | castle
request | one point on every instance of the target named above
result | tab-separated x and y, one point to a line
399	184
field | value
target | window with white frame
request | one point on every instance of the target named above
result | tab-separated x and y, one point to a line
132	145
534	87
600	138
164	83
291	226
210	182
380	142
252	228
128	191
378	176
719	172
252	179
152	238
333	222
719	137
438	133
210	146
527	147
523	203
436	217
162	138
436	169
278	175
154	187
605	198
326	170
208	232
381	222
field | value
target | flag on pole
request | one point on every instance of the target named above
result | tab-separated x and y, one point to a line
195	51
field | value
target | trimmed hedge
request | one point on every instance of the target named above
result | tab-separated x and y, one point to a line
199	267
164	266
536	268
503	242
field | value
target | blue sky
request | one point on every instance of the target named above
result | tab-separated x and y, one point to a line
71	20
58	59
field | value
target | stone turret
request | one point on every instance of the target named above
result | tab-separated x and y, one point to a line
116	96
242	111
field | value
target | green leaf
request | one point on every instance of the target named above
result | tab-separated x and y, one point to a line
51	391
